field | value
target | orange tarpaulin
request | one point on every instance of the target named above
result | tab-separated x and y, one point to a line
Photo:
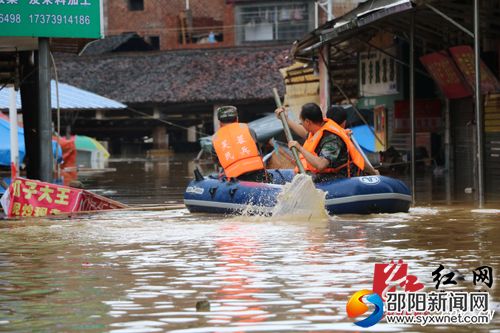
69	151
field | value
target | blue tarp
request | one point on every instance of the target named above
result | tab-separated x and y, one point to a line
365	138
5	144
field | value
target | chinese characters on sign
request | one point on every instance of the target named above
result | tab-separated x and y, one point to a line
464	57
51	18
427	115
455	75
446	75
378	74
34	198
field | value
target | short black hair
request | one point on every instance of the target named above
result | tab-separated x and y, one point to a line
227	114
337	113
312	112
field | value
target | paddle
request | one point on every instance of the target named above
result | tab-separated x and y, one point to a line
358	147
288	134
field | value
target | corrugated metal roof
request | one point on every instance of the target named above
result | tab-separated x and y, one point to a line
70	97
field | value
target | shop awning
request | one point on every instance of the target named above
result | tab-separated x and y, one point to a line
348	26
434	30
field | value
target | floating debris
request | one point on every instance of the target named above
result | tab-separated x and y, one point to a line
203	306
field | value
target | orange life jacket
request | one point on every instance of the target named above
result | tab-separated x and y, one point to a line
236	150
353	155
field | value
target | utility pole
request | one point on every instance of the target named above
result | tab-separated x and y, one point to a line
45	112
324	57
479	106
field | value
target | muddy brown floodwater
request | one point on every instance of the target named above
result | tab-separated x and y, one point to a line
145	271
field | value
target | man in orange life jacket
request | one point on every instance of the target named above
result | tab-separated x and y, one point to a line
338	114
328	152
236	147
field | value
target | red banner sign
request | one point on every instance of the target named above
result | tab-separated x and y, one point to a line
446	74
35	198
464	58
427	116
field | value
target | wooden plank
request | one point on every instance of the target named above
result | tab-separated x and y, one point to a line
490	110
492	116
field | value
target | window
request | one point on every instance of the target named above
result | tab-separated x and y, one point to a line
134	5
276	21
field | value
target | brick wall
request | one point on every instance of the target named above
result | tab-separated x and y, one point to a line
161	18
341	7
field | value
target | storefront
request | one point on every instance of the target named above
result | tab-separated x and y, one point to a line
390	40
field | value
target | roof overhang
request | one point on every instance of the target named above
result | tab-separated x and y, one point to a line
432	30
350	24
68	97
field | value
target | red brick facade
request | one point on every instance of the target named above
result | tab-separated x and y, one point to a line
161	18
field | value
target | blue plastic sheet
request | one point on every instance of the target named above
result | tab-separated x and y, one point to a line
365	137
5	144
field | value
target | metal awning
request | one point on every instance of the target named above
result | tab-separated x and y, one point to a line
433	31
70	97
349	25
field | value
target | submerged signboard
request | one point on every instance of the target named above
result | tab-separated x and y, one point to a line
51	18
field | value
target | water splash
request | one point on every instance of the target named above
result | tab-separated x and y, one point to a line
301	200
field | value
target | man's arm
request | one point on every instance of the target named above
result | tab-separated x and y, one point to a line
318	162
370	170
295	127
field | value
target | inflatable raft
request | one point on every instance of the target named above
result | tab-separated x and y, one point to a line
356	195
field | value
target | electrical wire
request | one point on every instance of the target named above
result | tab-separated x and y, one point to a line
164	121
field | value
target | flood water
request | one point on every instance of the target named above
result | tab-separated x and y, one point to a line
144	271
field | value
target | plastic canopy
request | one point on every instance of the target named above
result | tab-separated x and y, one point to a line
5	144
83	142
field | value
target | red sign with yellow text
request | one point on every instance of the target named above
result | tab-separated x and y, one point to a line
464	57
446	75
34	198
29	197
